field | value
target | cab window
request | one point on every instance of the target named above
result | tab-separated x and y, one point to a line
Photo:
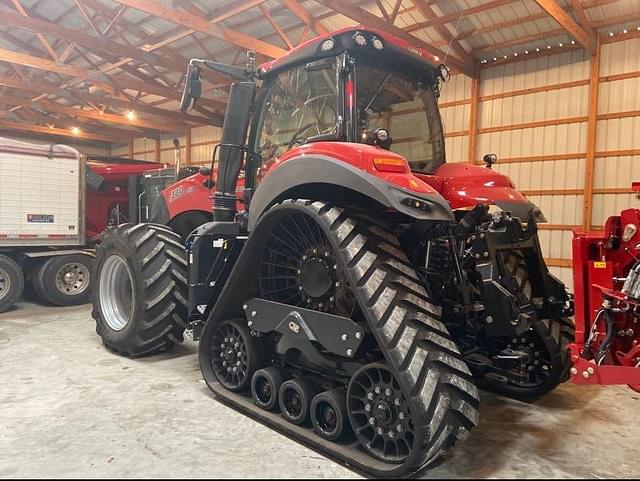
407	109
300	104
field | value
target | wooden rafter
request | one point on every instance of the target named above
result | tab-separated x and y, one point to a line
425	9
54	107
276	27
42	117
88	18
299	11
569	24
453	17
25	127
97	78
96	45
394	13
198	24
43	40
366	18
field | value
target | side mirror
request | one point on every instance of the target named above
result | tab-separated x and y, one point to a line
192	88
489	160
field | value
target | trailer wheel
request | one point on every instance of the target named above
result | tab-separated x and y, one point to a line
139	300
64	280
11	282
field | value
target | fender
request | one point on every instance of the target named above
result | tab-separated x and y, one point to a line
333	178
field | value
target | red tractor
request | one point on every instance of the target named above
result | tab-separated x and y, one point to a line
366	288
606	277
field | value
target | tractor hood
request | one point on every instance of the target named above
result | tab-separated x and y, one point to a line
465	185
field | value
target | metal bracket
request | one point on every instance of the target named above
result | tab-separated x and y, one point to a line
338	335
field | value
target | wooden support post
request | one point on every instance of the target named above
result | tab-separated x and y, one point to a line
187	147
592	127
386	120
130	149
157	150
473	117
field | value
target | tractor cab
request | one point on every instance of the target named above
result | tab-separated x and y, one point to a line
353	86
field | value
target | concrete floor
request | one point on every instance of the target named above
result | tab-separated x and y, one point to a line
69	408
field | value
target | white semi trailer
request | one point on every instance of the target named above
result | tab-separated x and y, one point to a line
42	223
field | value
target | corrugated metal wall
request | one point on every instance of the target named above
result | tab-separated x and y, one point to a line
516	115
619	66
455	102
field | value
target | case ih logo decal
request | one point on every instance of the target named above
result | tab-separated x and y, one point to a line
40	218
416	50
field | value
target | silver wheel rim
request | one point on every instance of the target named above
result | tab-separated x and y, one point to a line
116	292
5	283
72	279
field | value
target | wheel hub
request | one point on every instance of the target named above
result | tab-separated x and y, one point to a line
299	267
72	279
5	283
384	413
380	414
315	277
231	354
117	297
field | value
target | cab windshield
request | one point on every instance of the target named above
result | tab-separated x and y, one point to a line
407	108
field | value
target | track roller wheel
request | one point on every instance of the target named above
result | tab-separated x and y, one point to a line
295	399
329	414
235	355
265	386
379	414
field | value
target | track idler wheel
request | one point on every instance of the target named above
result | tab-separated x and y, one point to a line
329	414
295	398
235	355
265	386
380	414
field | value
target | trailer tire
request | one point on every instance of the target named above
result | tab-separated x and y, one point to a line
64	280
139	301
11	282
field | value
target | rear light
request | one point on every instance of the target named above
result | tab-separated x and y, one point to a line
390	164
360	39
327	45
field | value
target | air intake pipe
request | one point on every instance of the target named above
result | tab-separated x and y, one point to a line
232	149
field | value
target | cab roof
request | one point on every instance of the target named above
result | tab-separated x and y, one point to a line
393	49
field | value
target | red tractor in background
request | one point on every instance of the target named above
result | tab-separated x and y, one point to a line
606	277
363	289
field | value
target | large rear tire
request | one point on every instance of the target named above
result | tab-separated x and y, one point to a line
140	296
64	280
11	282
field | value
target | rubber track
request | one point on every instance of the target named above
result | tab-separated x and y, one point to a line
417	345
159	261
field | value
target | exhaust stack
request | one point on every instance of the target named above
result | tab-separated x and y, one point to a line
177	157
232	148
